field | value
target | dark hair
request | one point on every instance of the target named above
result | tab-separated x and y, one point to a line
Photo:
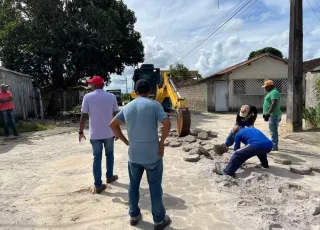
143	87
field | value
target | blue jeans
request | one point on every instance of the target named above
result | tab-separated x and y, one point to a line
8	118
273	127
154	176
230	139
243	154
97	146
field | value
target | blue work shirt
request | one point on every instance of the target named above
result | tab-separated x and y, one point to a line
252	136
141	117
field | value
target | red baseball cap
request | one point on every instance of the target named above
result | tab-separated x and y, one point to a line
96	80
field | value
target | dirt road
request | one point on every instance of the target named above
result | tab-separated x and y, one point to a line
44	182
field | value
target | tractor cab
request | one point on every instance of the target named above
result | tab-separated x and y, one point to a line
149	73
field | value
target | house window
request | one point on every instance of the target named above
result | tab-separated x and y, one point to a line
280	84
248	87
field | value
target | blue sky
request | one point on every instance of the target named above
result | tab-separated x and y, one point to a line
179	32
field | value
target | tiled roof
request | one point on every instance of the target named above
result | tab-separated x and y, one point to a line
311	64
230	69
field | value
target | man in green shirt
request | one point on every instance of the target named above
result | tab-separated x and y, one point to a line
272	111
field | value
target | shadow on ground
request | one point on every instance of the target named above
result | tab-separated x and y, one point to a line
169	201
275	170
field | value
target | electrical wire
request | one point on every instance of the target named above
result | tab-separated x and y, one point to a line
165	18
214	31
208	31
313	10
177	15
155	21
244	13
209	13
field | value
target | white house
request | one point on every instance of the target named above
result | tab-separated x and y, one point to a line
237	85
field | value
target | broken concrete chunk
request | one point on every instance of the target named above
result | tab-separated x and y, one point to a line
213	134
194	132
191	157
220	149
203	136
195	151
300	169
282	161
175	144
204	151
275	227
190	139
208	147
166	143
315	168
187	147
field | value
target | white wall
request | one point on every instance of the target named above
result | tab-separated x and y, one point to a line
264	68
310	94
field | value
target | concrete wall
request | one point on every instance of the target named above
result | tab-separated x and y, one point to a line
311	78
196	96
23	92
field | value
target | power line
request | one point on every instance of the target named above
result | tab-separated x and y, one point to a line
165	18
244	13
215	30
208	31
313	10
200	22
155	21
174	20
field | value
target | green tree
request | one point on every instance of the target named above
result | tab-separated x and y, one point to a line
271	50
61	42
179	72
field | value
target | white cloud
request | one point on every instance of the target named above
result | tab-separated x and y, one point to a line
262	25
316	31
266	16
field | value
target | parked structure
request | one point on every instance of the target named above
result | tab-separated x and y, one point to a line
240	84
23	91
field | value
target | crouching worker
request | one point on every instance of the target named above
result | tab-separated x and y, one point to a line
256	144
246	117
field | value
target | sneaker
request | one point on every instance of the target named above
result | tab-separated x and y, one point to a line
112	179
163	224
96	190
134	220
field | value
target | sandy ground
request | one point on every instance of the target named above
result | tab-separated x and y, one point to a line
44	181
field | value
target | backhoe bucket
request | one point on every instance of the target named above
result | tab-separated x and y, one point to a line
183	122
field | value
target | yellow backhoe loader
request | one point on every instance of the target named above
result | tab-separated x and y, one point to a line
166	93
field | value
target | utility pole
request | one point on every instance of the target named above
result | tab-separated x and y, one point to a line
295	68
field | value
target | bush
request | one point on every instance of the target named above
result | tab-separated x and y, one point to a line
312	115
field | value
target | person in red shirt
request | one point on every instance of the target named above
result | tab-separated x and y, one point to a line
6	110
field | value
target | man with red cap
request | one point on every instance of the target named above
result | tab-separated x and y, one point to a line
100	107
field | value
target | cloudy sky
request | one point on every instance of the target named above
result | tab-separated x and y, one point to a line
210	35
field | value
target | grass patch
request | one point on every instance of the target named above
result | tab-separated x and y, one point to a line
24	127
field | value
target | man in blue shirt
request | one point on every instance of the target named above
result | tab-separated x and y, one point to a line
256	144
145	150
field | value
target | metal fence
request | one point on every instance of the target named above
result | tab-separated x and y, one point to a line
253	87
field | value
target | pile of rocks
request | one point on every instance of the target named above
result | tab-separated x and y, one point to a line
196	145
